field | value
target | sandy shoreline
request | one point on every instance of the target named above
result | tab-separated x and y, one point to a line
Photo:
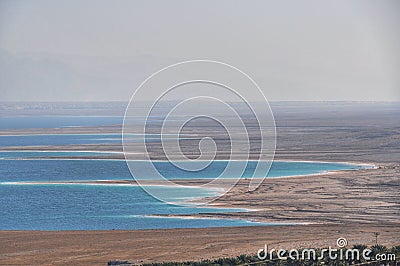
99	247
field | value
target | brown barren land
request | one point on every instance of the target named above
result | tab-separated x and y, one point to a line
350	204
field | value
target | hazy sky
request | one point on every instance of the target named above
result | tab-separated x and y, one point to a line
295	50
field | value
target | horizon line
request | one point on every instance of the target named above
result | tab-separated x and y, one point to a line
270	101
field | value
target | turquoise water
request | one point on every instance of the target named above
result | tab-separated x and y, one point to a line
46	154
20	122
74	139
47	170
99	207
91	207
64	121
30	206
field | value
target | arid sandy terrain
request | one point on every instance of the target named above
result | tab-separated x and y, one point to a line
350	204
99	247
